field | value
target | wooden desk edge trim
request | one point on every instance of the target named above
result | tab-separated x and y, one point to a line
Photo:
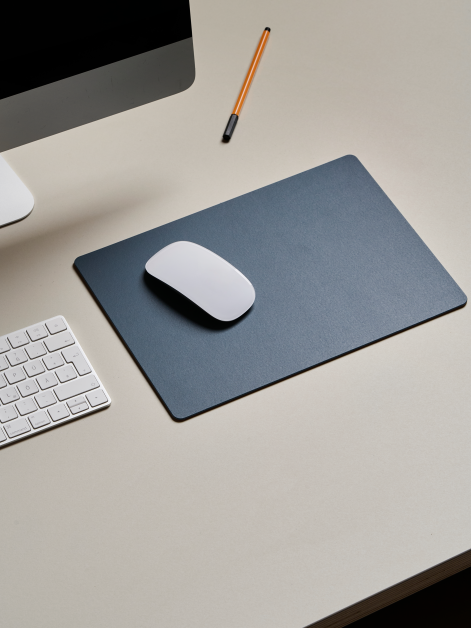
395	593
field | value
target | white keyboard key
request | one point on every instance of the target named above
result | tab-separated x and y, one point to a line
3	382
4	346
59	412
54	343
39	419
18	339
77	387
74	355
77	404
25	406
7	414
15	428
45	399
66	373
96	398
34	368
55	325
15	375
28	388
3	363
9	395
2	435
47	381
17	357
53	361
37	332
36	350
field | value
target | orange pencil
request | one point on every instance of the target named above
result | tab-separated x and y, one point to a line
245	87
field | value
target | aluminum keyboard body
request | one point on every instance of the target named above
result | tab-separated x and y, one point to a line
45	380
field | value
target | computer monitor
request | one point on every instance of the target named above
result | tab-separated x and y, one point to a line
68	65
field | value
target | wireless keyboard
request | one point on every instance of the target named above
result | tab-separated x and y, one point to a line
45	380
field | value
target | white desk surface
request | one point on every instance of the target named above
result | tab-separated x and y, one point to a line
293	503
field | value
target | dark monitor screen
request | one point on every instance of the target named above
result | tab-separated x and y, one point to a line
42	43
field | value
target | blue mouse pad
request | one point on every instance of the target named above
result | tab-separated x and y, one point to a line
335	267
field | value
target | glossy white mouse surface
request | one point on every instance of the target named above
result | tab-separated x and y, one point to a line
205	278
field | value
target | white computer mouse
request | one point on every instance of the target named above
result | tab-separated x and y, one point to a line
205	278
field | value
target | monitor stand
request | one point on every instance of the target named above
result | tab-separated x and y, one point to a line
16	201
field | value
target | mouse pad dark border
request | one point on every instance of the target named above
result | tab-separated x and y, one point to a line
335	267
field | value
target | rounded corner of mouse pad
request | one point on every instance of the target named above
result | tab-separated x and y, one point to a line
335	267
464	299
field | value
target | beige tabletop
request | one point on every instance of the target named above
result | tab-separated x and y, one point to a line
293	503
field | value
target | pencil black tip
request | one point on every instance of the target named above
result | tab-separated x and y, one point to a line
230	127
268	29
